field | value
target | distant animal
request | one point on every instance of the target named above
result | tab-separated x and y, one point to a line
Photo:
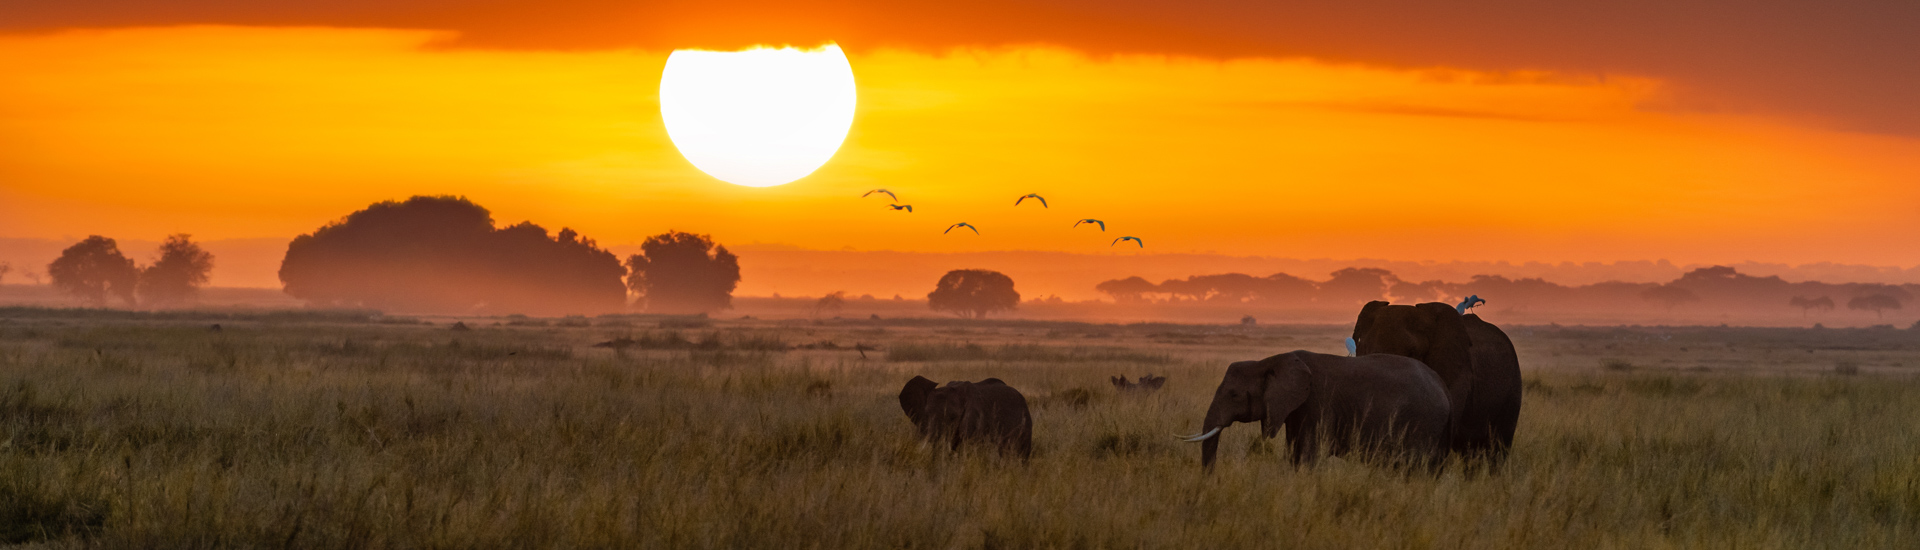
906	207
886	192
214	328
1151	382
1390	408
1469	303
1103	225
618	343
1035	196
1136	240
950	228
460	326
1147	384
988	412
1473	358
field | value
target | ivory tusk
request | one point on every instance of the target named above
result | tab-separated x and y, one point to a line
1208	435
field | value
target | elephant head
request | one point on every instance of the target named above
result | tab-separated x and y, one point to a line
1267	391
931	408
1434	333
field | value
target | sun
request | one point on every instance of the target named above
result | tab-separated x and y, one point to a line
758	117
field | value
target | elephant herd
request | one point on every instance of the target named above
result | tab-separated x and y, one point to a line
1426	382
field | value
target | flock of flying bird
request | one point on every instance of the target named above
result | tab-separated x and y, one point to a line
1016	202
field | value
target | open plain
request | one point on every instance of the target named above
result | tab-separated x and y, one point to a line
347	430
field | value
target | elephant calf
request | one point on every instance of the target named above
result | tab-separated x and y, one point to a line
988	411
1388	406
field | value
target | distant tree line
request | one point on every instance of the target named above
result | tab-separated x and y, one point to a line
445	254
94	270
1718	288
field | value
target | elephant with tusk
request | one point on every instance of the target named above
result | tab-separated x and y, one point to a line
988	412
1384	406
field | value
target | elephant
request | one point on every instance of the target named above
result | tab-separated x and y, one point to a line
988	412
1474	358
1392	408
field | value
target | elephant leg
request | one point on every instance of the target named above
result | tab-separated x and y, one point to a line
1505	419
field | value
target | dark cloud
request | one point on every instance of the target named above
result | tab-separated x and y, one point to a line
1853	62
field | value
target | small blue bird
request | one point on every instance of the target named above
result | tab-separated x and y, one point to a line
1136	240
1353	348
1043	200
1469	303
950	228
1103	225
888	193
906	207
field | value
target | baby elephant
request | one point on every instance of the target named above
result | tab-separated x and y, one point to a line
1391	407
988	411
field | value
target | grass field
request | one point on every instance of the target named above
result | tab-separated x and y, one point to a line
332	432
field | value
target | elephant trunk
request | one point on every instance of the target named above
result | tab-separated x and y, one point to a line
1208	450
1217	420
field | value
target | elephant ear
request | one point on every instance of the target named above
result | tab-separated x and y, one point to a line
1449	348
913	399
1365	322
1289	381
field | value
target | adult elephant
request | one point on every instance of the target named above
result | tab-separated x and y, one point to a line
1475	359
988	412
1392	408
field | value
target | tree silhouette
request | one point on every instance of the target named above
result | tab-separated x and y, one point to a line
94	268
4	268
1130	289
1669	296
179	272
1877	303
443	254
830	304
1805	304
973	293
1356	285
679	272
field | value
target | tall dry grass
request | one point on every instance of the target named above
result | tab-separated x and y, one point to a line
138	433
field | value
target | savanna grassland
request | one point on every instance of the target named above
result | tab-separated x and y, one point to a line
331	431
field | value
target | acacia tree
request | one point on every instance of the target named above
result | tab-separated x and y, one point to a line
1669	296
1877	303
4	268
1806	304
973	293
830	304
1130	289
678	272
180	271
94	268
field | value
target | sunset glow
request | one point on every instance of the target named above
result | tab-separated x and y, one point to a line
236	132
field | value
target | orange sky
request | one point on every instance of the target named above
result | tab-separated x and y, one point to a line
230	132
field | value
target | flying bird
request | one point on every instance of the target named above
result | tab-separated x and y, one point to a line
906	207
1469	303
1136	240
1103	225
889	193
950	228
1035	196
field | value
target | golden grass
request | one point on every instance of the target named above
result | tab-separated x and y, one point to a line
138	433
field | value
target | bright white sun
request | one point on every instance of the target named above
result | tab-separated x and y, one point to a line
758	117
